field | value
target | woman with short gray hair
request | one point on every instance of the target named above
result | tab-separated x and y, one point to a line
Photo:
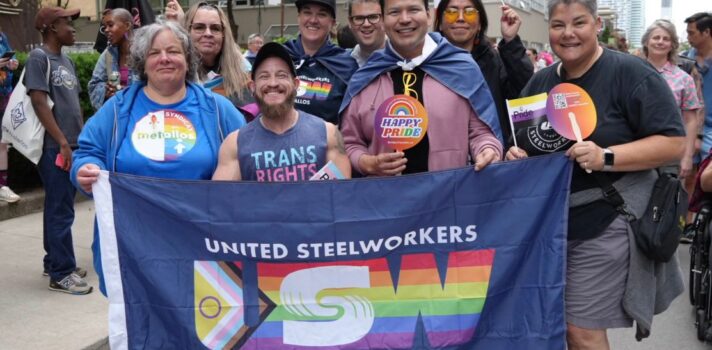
143	41
609	281
660	46
164	126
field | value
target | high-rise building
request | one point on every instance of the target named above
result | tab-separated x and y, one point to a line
630	18
666	9
637	23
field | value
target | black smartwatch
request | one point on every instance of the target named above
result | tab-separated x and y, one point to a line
608	159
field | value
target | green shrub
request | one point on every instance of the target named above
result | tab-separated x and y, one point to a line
84	63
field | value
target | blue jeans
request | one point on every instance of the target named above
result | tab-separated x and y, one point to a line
58	217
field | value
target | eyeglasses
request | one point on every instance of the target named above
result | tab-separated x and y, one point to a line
360	20
469	14
201	27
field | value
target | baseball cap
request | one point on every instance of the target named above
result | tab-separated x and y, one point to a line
47	15
330	4
273	50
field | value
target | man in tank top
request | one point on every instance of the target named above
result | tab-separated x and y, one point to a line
282	144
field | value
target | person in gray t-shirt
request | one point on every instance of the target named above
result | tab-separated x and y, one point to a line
62	123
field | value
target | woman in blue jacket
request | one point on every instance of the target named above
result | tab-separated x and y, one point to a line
164	126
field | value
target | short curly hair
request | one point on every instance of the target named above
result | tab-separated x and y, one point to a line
143	39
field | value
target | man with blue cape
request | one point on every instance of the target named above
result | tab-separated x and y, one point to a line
462	119
323	68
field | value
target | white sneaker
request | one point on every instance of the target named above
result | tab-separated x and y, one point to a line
7	195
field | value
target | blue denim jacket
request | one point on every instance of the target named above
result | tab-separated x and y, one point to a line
99	78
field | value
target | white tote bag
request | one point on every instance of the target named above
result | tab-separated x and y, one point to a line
20	125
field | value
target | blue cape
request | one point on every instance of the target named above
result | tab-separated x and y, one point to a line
337	60
449	65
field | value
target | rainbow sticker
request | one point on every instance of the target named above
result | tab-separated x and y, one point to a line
163	135
401	122
571	111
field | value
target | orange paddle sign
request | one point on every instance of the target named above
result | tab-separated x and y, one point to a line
401	122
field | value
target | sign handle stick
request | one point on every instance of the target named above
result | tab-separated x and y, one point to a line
577	130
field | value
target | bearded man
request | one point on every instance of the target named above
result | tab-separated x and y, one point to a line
282	144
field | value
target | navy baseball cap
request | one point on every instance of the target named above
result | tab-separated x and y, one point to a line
273	50
329	4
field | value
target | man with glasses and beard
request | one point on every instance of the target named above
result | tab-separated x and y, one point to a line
282	144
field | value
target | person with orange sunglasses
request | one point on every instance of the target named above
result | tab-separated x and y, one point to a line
507	68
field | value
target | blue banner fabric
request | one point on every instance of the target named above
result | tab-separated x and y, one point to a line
454	259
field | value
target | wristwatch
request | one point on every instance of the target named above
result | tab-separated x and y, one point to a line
608	159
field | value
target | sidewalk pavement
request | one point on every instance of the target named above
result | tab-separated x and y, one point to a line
31	316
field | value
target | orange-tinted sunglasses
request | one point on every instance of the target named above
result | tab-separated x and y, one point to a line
469	14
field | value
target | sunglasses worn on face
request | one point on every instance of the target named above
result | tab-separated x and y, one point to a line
360	20
469	14
201	27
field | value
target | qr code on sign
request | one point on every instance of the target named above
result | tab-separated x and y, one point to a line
560	101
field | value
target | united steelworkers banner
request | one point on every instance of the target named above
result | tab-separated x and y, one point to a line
454	259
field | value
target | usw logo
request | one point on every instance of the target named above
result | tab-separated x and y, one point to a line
352	304
313	90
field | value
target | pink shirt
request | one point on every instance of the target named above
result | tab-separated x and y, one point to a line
682	86
454	129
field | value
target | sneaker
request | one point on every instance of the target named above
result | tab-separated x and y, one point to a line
78	271
72	284
687	234
7	195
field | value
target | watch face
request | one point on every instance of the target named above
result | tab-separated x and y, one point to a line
608	158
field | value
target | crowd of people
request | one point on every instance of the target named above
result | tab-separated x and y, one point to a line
278	112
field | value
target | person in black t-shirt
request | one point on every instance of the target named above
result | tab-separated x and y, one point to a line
609	283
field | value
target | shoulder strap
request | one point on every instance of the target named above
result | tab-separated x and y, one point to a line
49	67
611	195
109	63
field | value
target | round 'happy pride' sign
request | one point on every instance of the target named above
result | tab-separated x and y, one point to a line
401	122
571	111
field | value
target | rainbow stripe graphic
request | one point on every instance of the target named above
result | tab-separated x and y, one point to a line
314	90
449	311
182	135
400	108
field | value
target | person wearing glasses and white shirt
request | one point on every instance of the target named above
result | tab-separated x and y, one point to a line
366	23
